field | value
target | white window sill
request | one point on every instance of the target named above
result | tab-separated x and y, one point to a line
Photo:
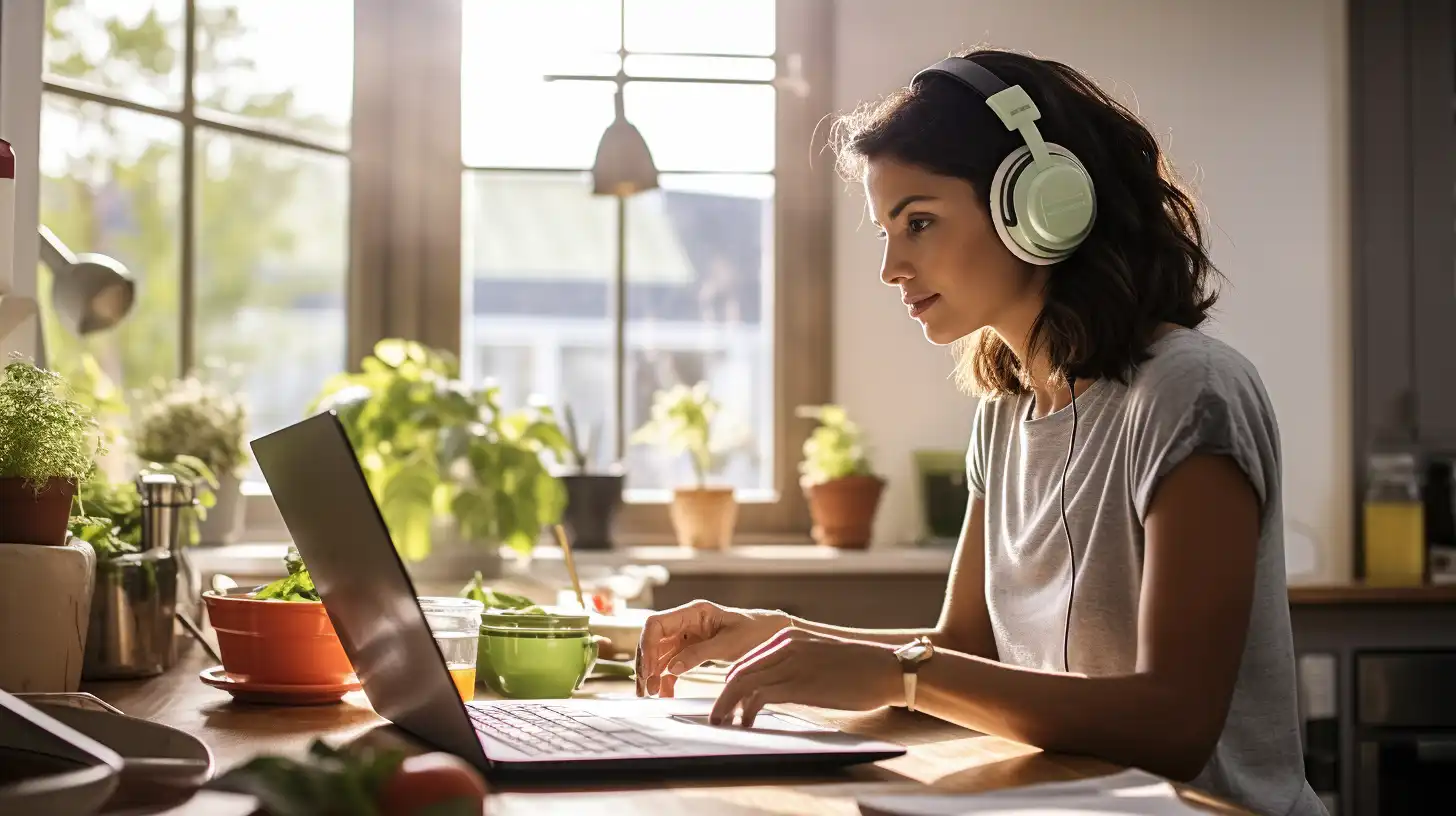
262	559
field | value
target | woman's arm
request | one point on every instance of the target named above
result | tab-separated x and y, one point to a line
965	625
1201	540
1202	534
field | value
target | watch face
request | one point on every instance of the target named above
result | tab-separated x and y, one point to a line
913	652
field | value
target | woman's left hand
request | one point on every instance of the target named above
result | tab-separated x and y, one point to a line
799	666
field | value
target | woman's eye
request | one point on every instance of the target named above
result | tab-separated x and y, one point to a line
919	224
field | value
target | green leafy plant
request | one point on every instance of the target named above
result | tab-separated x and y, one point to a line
476	590
109	514
431	446
835	449
581	448
359	781
44	433
297	585
682	422
193	417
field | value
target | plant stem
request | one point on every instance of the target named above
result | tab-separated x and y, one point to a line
700	460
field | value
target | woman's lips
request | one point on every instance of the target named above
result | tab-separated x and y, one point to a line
922	306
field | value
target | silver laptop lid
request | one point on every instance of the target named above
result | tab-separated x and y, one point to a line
336	525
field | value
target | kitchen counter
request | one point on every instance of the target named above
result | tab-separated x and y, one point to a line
1358	593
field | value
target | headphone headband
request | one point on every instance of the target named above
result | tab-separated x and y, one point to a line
968	72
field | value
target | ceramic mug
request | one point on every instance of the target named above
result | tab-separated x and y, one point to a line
535	657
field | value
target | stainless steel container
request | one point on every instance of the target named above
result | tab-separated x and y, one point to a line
135	603
132	632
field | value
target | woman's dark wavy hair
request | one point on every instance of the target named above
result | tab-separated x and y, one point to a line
1144	263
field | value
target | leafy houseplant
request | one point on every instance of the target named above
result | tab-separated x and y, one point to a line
109	514
48	445
592	497
836	475
431	446
682	422
196	418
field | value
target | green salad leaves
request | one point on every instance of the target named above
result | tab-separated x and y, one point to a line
476	590
296	586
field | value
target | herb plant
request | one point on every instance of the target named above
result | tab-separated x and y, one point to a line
835	449
682	420
431	446
296	586
193	417
44	434
476	590
109	515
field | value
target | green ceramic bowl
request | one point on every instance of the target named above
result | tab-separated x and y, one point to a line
535	657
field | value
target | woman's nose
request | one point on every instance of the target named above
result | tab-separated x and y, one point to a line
894	270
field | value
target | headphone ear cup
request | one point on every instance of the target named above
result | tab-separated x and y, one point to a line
1042	212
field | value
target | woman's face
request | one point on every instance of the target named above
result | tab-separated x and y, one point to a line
943	254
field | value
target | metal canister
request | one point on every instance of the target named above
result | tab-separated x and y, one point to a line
133	608
135	603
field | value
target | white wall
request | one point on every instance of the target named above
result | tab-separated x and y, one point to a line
22	26
1249	97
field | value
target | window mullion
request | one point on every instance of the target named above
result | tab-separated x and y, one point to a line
188	216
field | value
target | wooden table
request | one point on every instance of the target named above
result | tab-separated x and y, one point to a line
941	756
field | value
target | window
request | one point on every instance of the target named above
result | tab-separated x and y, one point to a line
291	182
205	145
701	292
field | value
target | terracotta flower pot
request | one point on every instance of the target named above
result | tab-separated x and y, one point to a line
277	642
28	516
704	518
844	510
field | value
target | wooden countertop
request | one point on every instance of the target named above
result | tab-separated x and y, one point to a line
1359	593
941	757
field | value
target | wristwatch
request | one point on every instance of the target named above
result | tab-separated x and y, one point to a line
911	656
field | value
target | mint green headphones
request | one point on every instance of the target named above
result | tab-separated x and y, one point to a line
1042	199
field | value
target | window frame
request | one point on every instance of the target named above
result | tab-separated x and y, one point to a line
406	233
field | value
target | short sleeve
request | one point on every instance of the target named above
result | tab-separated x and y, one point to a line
976	452
1205	403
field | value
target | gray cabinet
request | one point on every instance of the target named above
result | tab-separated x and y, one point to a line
1403	227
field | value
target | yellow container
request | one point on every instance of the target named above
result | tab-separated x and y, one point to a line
1395	543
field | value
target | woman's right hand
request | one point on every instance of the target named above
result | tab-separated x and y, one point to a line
677	640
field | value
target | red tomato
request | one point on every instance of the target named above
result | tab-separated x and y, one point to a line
428	779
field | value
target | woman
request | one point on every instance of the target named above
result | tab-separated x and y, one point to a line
1118	590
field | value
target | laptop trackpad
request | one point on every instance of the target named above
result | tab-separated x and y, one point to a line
766	721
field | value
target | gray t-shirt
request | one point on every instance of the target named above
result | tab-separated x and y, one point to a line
1196	394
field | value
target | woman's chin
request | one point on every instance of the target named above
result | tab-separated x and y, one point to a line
941	335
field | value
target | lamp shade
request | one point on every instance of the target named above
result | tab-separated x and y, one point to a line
90	292
624	163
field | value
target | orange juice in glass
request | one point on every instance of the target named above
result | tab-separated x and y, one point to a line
455	623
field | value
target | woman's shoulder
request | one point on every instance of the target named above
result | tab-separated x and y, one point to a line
1187	366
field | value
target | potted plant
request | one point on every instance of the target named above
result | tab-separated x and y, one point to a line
48	445
431	447
838	479
279	634
703	515
592	497
193	417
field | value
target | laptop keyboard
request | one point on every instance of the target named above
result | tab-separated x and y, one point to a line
539	730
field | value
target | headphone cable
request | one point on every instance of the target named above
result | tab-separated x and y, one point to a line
1067	528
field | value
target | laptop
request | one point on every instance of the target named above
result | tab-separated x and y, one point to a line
333	519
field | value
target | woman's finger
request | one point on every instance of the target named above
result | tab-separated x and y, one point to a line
664	629
781	692
745	683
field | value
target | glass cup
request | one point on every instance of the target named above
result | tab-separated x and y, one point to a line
455	623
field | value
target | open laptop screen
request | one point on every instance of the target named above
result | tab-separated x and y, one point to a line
336	525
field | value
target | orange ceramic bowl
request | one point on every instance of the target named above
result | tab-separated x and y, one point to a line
277	642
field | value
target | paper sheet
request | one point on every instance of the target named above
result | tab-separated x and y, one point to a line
1128	792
